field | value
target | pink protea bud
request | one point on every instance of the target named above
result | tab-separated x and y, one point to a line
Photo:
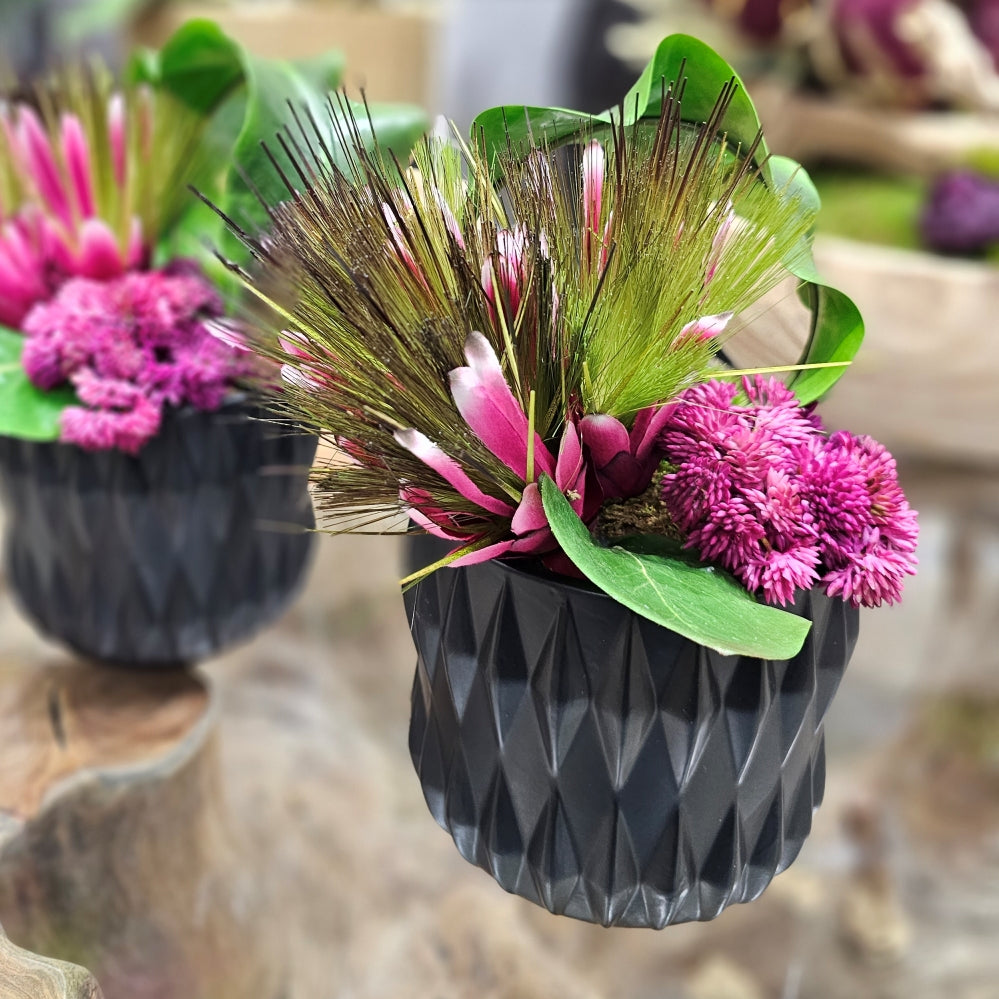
596	240
706	327
491	410
40	163
593	189
721	240
399	241
76	155
22	269
508	265
450	222
72	220
117	137
99	255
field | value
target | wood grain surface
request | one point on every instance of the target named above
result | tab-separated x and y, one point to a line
24	975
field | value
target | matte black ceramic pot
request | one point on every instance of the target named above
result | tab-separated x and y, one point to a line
603	766
166	557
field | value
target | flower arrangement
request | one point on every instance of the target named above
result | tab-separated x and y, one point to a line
651	561
92	183
105	317
523	351
139	470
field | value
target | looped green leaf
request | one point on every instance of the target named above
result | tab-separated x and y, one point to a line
243	101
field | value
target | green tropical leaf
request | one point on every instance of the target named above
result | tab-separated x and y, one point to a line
673	61
250	100
517	123
26	411
699	602
273	89
200	65
705	74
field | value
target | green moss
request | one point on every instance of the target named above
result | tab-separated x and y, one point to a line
873	208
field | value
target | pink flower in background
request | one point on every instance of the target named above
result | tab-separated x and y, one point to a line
25	274
758	488
129	346
52	232
494	415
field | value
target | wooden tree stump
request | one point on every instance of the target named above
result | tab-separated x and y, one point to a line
24	975
115	849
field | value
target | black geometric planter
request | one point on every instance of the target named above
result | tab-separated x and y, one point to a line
603	766
166	557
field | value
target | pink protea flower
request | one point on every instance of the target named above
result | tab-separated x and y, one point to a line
760	489
51	227
494	415
130	346
505	275
624	461
596	237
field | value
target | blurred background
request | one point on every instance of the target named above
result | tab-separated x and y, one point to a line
894	107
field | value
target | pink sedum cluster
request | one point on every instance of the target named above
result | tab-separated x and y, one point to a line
130	346
761	490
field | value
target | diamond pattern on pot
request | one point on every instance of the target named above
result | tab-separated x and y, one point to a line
605	767
166	557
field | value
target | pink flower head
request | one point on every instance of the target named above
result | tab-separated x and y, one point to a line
25	277
494	415
129	346
53	231
759	488
780	574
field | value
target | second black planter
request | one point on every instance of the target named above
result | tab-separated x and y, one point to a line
166	557
603	766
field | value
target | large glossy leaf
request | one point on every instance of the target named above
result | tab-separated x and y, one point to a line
274	89
251	100
201	65
699	602
704	74
679	59
26	411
